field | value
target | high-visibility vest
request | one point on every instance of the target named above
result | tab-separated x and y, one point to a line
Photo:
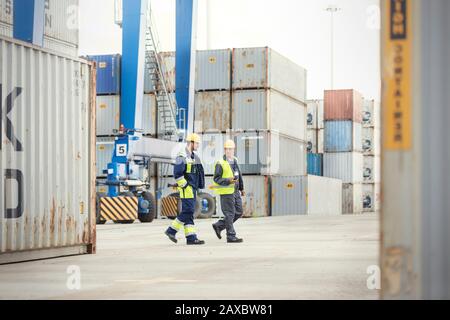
227	173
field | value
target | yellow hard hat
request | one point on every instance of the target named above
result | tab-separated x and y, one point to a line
229	144
193	137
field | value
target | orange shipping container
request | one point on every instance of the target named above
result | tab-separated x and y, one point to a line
343	105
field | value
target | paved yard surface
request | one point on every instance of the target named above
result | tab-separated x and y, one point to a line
282	258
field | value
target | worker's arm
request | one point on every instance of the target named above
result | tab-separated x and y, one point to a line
241	181
218	176
178	172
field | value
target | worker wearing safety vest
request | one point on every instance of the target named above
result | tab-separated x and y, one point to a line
190	177
228	183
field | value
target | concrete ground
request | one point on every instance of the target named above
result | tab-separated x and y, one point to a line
282	258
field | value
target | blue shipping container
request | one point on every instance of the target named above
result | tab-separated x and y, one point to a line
315	164
108	73
343	136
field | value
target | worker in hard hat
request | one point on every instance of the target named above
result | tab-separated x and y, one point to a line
190	177
228	183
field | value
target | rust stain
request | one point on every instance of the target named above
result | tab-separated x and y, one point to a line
398	276
52	217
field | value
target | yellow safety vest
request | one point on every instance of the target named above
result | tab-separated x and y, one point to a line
227	173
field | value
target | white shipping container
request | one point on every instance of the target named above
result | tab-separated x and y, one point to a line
167	60
212	111
60	19
268	110
372	169
264	68
149	114
311	118
371	141
312	139
104	154
352	198
320	114
345	166
47	154
306	195
213	70
108	115
320	141
371	114
371	197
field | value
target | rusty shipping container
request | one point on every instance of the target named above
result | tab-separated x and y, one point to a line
212	111
213	70
343	105
264	68
47	154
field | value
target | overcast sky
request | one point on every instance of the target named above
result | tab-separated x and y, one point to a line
298	29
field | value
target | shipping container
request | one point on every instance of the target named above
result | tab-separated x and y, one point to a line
167	60
315	164
371	197
371	114
311	118
61	29
108	115
372	169
212	150
320	114
371	141
345	166
352	198
257	201
149	114
343	105
213	70
321	141
104	154
264	68
270	153
212	111
48	154
306	195
312	140
108	73
268	110
343	136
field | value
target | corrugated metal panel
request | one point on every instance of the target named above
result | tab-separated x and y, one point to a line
61	19
256	203
263	68
312	140
47	159
352	198
371	141
347	166
269	153
211	150
315	164
311	118
306	195
268	110
371	197
343	105
212	111
320	115
104	153
108	73
213	70
371	114
108	115
149	114
343	136
168	67
321	141
372	169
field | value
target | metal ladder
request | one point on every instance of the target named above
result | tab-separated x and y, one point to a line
165	103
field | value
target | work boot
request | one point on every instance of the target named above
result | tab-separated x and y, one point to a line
235	240
195	242
172	237
217	231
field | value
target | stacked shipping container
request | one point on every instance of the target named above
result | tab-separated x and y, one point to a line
371	144
343	157
315	137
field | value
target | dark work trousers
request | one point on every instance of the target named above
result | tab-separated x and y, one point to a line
232	211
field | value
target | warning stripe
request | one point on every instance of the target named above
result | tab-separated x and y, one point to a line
169	207
119	208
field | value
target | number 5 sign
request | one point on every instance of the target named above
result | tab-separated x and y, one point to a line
121	150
